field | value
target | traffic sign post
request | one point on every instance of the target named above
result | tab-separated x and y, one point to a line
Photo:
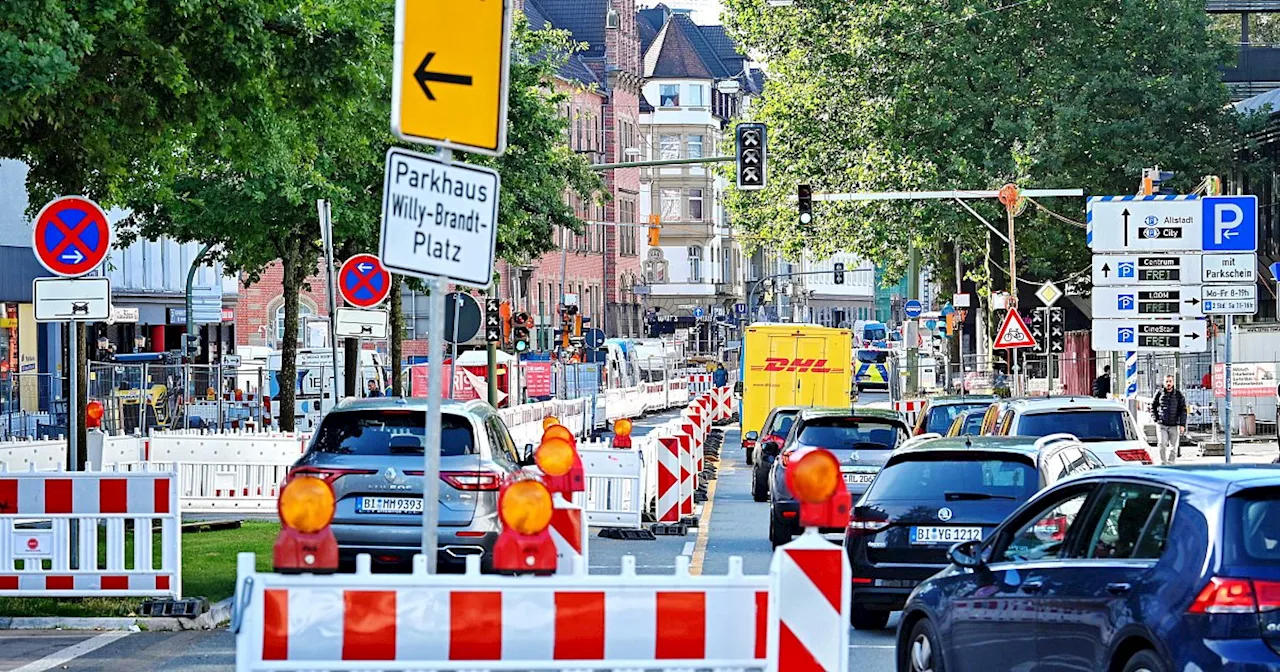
363	282
71	236
72	299
449	82
1149	335
1172	223
359	323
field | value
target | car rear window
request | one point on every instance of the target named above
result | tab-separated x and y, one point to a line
390	432
1102	425
873	356
941	417
930	476
782	421
838	434
1253	527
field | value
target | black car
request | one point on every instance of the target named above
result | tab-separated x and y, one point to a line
766	445
940	411
861	438
929	498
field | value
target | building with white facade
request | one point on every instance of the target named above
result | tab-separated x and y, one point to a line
835	304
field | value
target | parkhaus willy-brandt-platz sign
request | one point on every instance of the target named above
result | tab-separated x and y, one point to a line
440	218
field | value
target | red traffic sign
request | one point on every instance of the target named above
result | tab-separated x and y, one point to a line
72	236
1014	333
363	281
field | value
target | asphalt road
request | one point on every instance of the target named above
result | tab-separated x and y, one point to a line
734	525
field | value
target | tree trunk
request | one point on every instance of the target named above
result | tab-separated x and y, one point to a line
289	347
397	338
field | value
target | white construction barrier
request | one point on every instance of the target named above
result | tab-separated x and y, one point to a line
36	519
214	487
19	456
785	620
614	488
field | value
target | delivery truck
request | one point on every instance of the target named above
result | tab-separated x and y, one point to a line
793	365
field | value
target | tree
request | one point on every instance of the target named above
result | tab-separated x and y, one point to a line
897	95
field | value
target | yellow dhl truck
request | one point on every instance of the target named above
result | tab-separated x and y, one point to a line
793	365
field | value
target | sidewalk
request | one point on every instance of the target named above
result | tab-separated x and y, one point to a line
1243	451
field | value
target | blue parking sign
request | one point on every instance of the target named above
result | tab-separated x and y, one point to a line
1230	224
1125	334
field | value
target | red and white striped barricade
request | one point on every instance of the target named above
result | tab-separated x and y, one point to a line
699	382
569	532
678	392
89	501
366	621
614	492
725	403
670	483
693	420
688	481
910	409
808	598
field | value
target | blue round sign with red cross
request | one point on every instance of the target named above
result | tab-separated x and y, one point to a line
72	236
363	281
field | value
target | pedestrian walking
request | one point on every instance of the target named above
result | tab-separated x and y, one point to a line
720	377
1169	409
372	390
1102	384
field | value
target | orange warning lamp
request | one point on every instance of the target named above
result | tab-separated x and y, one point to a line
813	476
305	542
550	420
524	545
622	433
557	457
93	414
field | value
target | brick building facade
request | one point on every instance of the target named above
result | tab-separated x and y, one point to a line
260	314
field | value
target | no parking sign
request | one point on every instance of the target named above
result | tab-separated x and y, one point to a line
71	236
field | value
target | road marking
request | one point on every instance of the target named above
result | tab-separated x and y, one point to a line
60	658
872	646
688	548
704	530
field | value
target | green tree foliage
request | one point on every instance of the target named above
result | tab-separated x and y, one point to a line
882	95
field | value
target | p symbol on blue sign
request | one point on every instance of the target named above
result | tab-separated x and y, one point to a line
1230	224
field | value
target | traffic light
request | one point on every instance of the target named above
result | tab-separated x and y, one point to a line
520	324
654	229
839	273
191	344
751	156
804	196
1153	180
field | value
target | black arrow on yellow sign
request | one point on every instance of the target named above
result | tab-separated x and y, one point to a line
423	76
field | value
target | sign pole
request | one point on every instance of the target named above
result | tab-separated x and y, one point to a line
326	229
1226	404
431	452
453	368
73	358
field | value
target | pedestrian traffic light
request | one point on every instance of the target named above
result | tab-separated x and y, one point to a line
751	156
804	195
839	273
520	324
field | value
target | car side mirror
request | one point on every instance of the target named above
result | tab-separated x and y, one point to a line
965	554
753	436
527	459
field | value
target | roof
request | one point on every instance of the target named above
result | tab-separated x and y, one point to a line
673	54
756	77
584	19
1225	478
645	106
575	68
407	403
649	22
706	51
1022	445
724	47
1267	101
1080	403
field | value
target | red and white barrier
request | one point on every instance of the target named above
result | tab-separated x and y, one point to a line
90	501
699	382
910	409
569	532
669	479
490	622
614	495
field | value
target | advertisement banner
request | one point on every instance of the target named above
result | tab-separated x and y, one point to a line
1247	380
537	378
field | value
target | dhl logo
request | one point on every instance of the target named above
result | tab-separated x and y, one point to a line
798	365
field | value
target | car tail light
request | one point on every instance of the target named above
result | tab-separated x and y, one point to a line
1055	528
861	527
472	480
1134	455
1236	596
328	475
748	443
786	457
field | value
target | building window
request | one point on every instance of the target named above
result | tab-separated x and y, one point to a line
695	263
669	146
668	95
304	311
695	204
696	98
695	147
671	205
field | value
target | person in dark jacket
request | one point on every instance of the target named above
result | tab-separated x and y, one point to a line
1102	384
373	390
1169	409
720	377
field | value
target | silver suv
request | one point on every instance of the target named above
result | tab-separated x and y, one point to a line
370	451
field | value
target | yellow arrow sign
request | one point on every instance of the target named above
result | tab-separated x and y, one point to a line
450	84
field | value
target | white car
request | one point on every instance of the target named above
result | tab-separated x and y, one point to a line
1105	425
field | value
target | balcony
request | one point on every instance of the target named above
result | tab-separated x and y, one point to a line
1257	71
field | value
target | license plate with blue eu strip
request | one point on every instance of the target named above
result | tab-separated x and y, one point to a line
389	505
944	535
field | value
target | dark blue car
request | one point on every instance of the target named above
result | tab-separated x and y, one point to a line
1125	569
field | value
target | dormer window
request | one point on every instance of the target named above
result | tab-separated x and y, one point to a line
611	19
